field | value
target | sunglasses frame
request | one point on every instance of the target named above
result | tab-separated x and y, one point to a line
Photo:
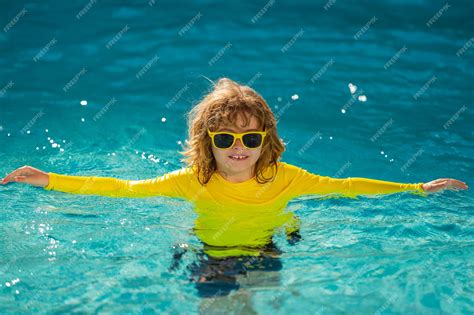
236	136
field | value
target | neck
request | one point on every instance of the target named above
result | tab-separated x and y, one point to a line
238	177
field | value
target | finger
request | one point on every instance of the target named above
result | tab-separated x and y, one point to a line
444	182
438	186
8	178
440	180
459	184
19	171
20	178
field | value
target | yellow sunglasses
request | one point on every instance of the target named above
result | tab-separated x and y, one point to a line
225	139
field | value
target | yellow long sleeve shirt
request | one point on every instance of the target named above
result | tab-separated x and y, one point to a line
239	217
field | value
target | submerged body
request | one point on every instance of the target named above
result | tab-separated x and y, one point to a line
233	219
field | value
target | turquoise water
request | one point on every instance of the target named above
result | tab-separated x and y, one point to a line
141	66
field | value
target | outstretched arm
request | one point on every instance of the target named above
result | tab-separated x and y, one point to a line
303	182
366	186
170	184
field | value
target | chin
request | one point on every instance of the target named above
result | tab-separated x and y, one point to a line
239	165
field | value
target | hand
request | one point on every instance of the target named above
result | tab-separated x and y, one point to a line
27	175
444	183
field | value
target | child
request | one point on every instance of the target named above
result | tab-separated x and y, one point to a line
235	179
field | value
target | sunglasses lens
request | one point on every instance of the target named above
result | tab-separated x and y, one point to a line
252	140
223	140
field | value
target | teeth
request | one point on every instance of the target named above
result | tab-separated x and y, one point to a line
238	157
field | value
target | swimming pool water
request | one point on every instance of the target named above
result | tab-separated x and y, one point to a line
142	65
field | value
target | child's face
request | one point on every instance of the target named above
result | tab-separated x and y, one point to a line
223	157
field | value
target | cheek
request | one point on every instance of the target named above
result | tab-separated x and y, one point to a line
257	154
219	155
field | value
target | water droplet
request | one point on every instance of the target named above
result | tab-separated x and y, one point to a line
37	148
84	103
343	111
82	119
163	119
295	97
352	88
279	99
54	145
381	152
46	130
362	98
28	132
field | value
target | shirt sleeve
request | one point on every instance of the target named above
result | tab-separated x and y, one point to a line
303	182
173	184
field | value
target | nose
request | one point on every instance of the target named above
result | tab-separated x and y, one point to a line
238	144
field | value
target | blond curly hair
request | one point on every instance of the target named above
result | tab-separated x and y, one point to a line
222	105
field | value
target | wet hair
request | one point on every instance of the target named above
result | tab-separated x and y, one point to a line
222	105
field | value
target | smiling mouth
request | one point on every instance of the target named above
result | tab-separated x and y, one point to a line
238	157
